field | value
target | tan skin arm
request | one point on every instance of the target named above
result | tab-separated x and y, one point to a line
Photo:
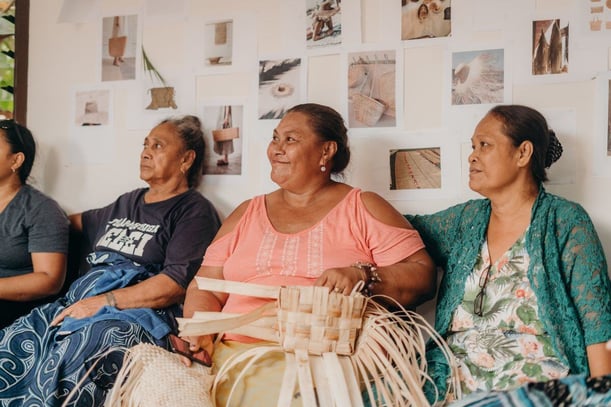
411	281
47	279
599	359
76	222
200	300
156	292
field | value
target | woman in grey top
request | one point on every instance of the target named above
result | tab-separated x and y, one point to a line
33	230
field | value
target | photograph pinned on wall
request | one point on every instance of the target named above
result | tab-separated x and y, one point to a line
223	135
418	168
151	99
119	47
602	150
550	47
323	23
425	19
372	89
91	135
92	107
280	82
478	77
218	43
563	121
407	165
597	17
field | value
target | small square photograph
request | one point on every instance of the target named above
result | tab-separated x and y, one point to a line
279	87
119	47
92	107
323	23
418	168
218	43
222	134
550	47
372	89
425	19
478	77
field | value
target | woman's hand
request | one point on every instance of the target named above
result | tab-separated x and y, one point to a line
196	343
341	279
81	309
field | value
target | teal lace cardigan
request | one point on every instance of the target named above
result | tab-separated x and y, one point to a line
568	273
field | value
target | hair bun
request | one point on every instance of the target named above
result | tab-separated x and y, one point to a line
554	149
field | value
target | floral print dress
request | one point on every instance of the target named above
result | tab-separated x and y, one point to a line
507	346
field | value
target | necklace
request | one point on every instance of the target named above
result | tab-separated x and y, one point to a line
478	302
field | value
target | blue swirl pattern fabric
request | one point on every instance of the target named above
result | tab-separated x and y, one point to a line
575	390
40	365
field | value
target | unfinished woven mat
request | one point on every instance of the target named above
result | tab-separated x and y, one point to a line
334	345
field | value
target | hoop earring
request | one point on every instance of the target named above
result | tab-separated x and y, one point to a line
323	168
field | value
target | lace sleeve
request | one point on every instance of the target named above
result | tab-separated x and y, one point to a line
588	279
442	232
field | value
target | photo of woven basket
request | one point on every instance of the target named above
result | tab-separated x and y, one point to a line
229	133
367	110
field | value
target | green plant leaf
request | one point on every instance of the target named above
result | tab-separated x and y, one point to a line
150	68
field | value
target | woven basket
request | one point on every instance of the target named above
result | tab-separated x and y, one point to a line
357	74
226	134
139	384
319	321
116	46
360	344
367	110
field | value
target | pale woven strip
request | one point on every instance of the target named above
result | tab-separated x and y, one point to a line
323	388
337	380
289	379
304	378
235	287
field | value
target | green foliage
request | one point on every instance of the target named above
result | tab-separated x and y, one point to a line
150	69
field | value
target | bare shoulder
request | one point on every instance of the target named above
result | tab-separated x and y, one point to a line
382	210
232	220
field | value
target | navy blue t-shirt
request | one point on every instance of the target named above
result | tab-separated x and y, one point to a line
173	233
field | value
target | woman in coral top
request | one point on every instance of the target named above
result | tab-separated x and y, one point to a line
313	230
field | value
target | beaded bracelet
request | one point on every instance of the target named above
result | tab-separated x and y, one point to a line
110	299
371	276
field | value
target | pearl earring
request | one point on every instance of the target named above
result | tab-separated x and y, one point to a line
323	168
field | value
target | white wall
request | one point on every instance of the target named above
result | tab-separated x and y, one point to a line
65	56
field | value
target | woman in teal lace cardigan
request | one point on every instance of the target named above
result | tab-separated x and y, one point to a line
525	295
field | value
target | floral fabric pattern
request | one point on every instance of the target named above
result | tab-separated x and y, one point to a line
507	346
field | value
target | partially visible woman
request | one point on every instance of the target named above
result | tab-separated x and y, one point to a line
313	230
33	230
147	245
525	297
